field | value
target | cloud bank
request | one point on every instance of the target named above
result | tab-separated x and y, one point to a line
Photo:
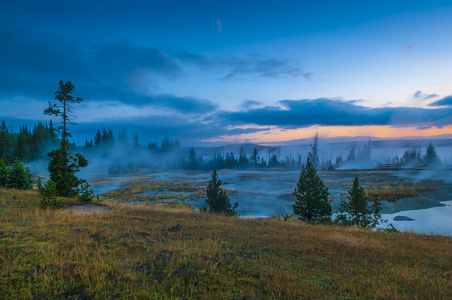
329	112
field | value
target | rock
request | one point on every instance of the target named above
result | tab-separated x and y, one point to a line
402	218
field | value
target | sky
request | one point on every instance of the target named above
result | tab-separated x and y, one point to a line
218	72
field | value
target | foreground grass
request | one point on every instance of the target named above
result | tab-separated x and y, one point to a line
167	251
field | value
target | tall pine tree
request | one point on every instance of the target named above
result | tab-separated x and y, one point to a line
312	204
63	164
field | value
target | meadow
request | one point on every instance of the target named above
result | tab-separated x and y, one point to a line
169	251
269	192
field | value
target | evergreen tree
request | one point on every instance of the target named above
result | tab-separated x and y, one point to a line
63	165
255	157
312	204
365	154
4	174
48	195
110	138
122	137
357	211
86	194
273	161
217	199
4	140
21	150
98	138
19	177
314	154
431	158
135	142
351	155
153	147
52	130
62	172
192	162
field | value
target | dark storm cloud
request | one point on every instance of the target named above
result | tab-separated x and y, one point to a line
33	66
327	112
447	101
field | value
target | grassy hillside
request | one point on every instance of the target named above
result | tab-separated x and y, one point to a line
166	251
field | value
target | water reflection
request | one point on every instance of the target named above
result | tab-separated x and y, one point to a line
435	220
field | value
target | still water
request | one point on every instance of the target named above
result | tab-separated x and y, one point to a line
435	220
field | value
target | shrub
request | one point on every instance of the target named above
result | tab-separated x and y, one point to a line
85	194
48	195
19	177
3	174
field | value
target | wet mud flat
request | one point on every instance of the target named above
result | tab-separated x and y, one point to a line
263	193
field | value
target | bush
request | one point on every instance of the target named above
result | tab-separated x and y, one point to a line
85	194
19	177
48	195
3	174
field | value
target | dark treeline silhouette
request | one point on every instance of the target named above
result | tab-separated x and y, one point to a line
28	143
105	139
228	160
413	158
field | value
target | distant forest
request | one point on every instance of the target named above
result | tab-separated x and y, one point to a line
33	144
29	143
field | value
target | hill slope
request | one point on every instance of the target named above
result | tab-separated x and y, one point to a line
166	251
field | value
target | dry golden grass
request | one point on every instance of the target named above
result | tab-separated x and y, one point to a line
166	190
166	251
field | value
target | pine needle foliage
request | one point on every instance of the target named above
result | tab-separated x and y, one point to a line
217	199
312	204
48	195
19	177
3	173
356	211
63	165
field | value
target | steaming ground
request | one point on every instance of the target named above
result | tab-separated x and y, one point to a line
263	193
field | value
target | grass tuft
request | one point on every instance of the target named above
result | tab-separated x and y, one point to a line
167	251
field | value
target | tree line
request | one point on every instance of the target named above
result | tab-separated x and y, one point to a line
105	140
28	143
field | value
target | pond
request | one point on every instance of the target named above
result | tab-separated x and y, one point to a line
263	193
435	220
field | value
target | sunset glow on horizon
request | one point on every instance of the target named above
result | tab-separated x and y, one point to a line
278	136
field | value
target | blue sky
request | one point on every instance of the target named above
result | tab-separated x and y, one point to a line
232	71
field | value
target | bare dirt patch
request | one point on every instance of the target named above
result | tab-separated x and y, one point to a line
87	209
